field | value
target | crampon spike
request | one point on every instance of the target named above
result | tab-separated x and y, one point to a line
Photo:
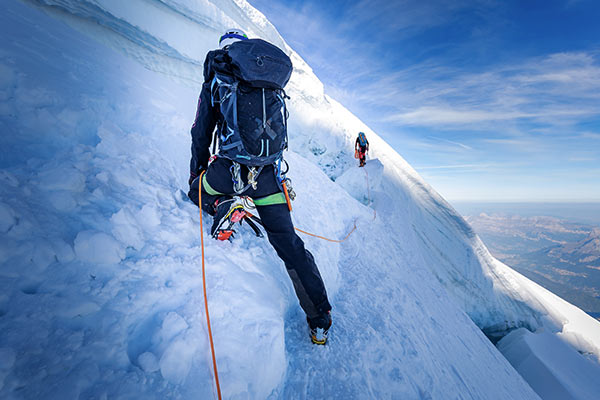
224	235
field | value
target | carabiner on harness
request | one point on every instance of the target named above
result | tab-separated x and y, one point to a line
252	175
290	189
236	177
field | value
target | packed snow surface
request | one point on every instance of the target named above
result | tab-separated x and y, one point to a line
100	247
553	368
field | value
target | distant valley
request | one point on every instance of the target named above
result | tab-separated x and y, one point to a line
562	256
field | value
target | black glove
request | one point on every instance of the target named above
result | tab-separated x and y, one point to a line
192	177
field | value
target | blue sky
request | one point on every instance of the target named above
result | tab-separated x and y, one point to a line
489	100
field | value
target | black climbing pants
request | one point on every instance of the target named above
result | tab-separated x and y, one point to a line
363	154
275	216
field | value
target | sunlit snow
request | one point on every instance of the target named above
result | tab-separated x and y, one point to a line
100	248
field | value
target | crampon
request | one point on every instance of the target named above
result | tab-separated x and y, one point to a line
240	210
319	329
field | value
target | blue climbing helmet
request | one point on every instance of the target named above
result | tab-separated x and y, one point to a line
231	36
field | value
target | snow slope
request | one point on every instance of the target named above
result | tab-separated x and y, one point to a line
99	247
550	365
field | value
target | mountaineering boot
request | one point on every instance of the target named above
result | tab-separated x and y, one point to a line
319	328
231	211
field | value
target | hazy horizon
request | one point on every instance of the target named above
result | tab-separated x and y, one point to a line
580	212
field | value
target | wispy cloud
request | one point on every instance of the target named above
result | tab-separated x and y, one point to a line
511	142
445	86
461	145
556	89
435	116
462	166
346	44
590	135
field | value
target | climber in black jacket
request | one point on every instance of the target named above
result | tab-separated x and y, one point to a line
219	199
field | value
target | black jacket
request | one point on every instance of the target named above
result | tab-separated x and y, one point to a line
362	148
207	117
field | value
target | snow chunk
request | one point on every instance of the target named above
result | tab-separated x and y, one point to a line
550	366
62	201
126	230
98	248
62	178
148	362
176	362
148	217
63	251
172	325
43	255
69	119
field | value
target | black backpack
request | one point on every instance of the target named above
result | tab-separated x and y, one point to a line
248	86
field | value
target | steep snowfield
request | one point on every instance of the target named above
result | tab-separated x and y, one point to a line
100	251
550	365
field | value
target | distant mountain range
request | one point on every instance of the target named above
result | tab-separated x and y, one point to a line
560	255
586	251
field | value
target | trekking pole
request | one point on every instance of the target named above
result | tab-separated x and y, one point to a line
212	347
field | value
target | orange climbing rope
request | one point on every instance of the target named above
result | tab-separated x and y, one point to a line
212	346
324	238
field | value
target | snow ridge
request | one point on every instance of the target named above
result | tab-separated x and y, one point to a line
100	278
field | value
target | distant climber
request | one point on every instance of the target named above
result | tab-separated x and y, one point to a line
361	146
243	97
